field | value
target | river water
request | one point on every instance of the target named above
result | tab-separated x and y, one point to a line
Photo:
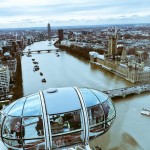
130	130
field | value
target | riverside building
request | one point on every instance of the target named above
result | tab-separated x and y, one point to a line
60	35
4	80
118	62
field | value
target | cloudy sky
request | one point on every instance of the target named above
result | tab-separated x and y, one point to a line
37	13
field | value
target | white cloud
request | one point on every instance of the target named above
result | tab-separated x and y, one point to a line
38	12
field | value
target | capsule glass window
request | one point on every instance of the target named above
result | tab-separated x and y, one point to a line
67	122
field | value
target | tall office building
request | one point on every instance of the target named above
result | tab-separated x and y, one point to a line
4	80
49	32
60	35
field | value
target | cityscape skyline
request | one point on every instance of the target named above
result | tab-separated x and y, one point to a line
20	14
80	66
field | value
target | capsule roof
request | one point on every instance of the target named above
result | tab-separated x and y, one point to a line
57	101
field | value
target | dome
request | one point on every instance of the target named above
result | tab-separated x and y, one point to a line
56	118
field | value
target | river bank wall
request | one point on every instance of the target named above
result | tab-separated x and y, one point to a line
82	52
18	89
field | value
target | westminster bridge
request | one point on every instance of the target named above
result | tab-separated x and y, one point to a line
128	90
37	51
122	92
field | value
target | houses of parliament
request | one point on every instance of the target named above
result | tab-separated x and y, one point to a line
117	61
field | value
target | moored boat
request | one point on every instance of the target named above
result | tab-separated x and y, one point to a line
35	62
36	68
29	55
145	112
43	80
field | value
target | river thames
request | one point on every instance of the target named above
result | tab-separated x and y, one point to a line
130	130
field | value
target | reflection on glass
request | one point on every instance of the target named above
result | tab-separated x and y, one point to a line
96	131
17	108
109	110
101	96
37	144
6	110
1	119
89	97
96	115
30	109
12	128
13	143
39	127
33	127
67	139
96	121
65	122
108	125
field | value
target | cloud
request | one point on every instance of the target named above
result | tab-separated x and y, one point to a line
82	11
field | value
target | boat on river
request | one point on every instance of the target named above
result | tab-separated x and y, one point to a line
35	62
145	112
29	55
43	80
41	73
36	68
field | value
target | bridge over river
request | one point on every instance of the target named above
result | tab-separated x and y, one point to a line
122	92
128	90
37	51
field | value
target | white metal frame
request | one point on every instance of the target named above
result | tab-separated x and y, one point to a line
47	127
85	116
47	131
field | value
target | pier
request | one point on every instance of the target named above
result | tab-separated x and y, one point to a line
128	90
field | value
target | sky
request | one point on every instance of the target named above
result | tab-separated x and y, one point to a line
38	13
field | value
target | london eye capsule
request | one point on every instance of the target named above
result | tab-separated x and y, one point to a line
55	118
